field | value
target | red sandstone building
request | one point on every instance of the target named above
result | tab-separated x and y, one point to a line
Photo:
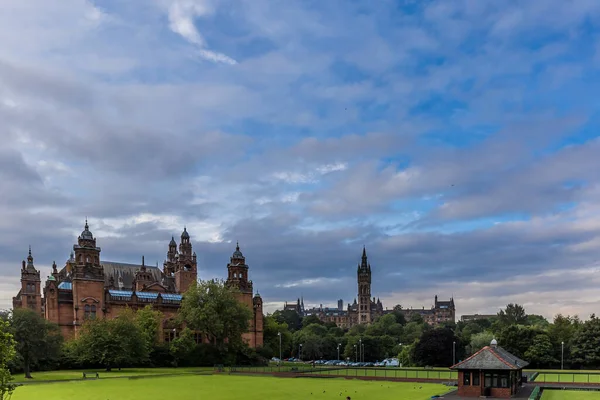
87	287
492	371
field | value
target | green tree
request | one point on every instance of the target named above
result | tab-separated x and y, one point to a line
517	339
289	317
182	347
36	339
480	340
586	343
271	330
538	321
149	322
112	343
435	348
311	319
514	314
7	353
212	308
405	354
540	353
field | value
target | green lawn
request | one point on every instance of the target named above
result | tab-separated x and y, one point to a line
592	377
125	372
569	395
228	387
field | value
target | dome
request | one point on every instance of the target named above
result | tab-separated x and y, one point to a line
494	342
51	278
237	253
172	242
185	234
86	234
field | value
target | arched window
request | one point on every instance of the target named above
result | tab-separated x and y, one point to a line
96	260
86	313
81	258
93	312
87	259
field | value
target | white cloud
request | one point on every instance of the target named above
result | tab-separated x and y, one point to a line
181	21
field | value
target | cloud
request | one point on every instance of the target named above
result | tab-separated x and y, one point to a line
181	21
457	141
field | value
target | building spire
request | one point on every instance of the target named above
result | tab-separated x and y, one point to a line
237	245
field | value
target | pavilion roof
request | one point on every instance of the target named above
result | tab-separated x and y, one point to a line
491	357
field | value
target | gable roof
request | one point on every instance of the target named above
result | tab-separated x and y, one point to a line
491	358
126	272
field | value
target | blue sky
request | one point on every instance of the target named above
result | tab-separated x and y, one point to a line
457	140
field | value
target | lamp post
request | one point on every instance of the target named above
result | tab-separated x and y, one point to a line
356	353
562	354
360	349
300	352
453	353
401	355
339	344
279	334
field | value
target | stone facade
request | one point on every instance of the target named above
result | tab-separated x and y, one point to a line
87	287
440	313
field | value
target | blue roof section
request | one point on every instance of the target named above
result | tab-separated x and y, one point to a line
171	296
126	295
147	295
65	286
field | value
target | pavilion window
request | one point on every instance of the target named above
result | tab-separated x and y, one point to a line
467	378
476	378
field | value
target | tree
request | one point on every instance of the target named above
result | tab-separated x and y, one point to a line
149	321
311	319
586	343
435	348
289	317
182	346
271	330
517	339
514	314
480	340
36	339
538	321
111	343
212	308
540	353
7	353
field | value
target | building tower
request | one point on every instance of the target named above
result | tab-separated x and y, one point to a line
186	267
30	295
87	279
237	278
237	272
364	290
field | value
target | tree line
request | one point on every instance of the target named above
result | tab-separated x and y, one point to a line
566	341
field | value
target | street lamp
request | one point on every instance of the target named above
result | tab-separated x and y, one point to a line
339	344
279	334
401	355
300	352
356	353
562	354
360	349
453	353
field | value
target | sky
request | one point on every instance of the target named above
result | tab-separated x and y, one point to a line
457	141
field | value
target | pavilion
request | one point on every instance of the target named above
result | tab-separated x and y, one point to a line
492	371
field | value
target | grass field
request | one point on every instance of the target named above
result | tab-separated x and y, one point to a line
125	372
227	387
569	395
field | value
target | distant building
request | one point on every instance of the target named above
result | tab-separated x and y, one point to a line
367	308
475	317
363	311
440	313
